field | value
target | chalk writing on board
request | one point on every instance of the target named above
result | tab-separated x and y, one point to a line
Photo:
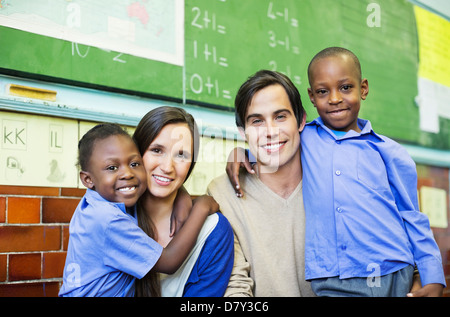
208	53
204	19
83	52
198	85
281	15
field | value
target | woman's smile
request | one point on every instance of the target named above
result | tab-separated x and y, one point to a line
161	180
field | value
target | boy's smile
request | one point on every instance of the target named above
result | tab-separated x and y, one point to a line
336	91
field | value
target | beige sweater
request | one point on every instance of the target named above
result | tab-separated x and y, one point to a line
269	238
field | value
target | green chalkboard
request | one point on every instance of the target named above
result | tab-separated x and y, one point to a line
36	55
225	41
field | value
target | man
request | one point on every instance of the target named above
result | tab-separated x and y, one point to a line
269	220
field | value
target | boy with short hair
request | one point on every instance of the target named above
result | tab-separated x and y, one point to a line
107	250
364	231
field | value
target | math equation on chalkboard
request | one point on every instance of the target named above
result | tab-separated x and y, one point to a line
227	41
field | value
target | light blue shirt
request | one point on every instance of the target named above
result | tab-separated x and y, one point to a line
107	250
362	213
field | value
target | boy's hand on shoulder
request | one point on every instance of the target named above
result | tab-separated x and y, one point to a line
181	210
206	203
429	290
237	160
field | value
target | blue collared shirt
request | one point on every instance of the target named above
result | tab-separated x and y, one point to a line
362	213
107	250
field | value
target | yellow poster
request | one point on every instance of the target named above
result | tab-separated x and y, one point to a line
434	69
434	46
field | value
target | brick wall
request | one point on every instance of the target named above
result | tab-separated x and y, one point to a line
33	238
34	234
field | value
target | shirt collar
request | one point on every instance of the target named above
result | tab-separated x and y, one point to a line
92	196
364	125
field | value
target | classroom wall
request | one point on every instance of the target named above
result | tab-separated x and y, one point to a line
34	234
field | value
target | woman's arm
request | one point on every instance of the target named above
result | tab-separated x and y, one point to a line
178	249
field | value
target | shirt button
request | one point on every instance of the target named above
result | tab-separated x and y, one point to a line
338	142
339	209
338	172
344	248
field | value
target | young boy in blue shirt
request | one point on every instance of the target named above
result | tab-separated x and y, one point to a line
364	231
107	250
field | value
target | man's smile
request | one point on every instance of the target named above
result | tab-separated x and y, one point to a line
273	147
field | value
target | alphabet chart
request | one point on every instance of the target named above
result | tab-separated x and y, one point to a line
38	151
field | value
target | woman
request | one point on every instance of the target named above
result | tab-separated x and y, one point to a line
168	141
